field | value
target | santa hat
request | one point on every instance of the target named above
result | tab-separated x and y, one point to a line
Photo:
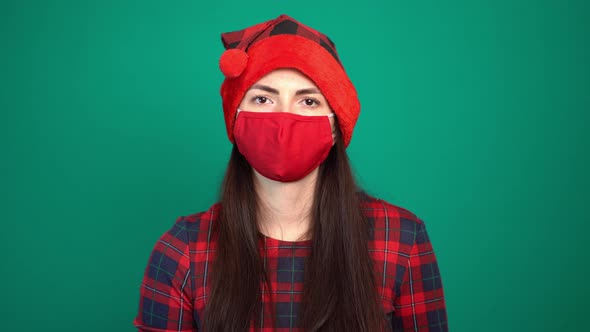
283	42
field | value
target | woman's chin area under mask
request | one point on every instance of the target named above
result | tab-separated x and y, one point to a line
262	180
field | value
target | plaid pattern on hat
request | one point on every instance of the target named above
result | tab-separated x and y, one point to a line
283	24
284	42
175	288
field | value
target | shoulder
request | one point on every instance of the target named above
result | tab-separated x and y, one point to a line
192	228
390	222
384	211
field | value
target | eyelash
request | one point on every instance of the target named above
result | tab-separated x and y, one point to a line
317	102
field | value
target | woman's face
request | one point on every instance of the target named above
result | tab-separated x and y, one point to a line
285	90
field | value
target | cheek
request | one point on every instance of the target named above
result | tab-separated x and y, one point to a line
244	103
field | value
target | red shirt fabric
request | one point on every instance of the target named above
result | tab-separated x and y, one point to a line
175	285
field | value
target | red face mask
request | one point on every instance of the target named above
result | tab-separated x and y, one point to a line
283	146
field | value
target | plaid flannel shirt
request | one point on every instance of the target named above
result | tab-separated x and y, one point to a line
175	285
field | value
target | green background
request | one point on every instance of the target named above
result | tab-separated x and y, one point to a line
474	116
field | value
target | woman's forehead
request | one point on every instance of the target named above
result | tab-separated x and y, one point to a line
287	79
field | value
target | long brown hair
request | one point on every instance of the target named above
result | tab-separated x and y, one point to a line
339	292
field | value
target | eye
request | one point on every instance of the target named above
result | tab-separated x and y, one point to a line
310	102
260	100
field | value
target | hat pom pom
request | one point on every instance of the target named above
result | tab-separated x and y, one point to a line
233	62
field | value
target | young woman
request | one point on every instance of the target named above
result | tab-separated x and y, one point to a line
293	244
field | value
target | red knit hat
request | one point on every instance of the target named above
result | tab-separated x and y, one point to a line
283	42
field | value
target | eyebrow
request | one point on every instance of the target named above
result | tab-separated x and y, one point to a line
276	92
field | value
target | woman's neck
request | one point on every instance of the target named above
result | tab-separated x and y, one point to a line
285	207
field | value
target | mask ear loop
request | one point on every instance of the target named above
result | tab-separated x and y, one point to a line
237	113
333	125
